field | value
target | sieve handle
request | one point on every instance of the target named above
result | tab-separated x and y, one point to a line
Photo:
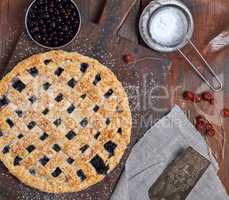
215	89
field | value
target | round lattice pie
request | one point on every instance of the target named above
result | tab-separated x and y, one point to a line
65	121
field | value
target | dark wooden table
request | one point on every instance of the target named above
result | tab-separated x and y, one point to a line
211	18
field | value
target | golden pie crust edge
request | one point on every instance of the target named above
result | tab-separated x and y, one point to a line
22	174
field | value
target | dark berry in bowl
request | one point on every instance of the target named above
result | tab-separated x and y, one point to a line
53	23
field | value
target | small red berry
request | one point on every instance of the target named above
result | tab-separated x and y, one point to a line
200	118
207	96
129	58
200	126
197	98
211	132
189	96
225	112
209	126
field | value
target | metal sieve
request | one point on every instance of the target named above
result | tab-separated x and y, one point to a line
167	26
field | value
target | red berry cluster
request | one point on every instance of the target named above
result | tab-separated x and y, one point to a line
204	126
205	96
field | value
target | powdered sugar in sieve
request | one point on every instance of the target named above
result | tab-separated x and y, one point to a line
167	26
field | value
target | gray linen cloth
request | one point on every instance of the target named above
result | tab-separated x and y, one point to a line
152	154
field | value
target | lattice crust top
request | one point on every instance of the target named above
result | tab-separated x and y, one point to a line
65	121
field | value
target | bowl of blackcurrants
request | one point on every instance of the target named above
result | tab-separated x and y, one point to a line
53	23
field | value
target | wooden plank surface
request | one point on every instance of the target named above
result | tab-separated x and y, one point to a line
211	17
